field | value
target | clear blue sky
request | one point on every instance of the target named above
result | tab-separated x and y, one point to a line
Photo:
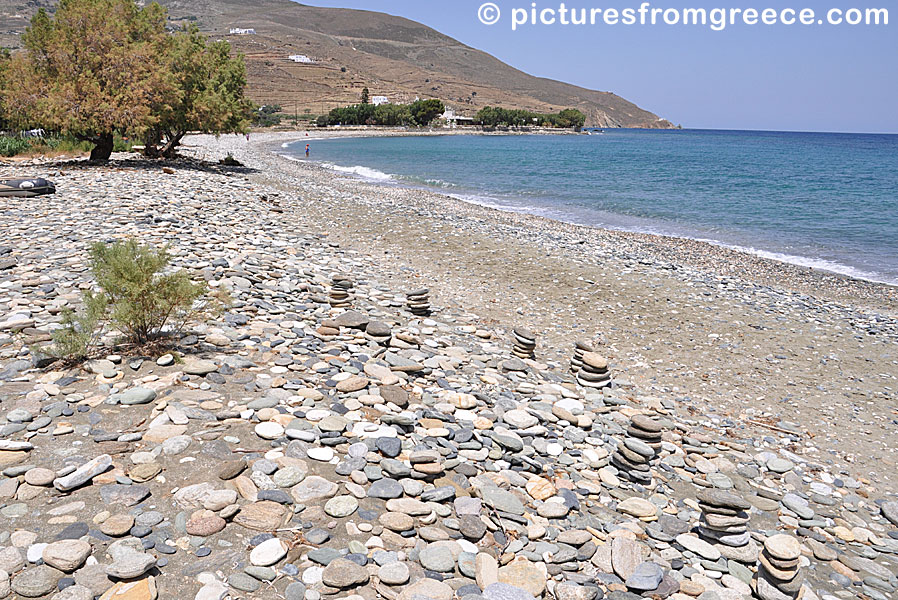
801	78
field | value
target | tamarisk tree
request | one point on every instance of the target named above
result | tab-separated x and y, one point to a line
96	68
209	92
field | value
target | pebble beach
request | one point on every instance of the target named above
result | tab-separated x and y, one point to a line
414	397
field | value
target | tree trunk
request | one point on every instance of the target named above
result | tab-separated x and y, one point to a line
173	141
102	149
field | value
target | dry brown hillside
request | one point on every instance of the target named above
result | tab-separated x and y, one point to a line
353	49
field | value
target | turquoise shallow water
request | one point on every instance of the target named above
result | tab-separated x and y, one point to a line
823	200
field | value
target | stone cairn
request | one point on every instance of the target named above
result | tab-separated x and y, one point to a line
379	333
724	522
778	576
419	302
636	453
593	372
524	342
339	296
580	348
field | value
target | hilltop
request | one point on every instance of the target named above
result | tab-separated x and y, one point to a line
353	49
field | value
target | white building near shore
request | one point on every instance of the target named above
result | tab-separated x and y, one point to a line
378	100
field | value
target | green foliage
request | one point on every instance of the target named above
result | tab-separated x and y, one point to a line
425	111
137	297
96	68
78	336
365	96
209	91
15	145
490	116
267	116
420	112
11	146
142	299
393	115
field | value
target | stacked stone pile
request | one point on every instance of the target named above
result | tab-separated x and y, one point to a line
340	295
418	302
593	372
637	451
779	575
580	348
524	342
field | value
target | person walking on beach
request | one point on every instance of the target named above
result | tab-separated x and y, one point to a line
307	150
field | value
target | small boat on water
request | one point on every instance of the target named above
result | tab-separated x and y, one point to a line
26	188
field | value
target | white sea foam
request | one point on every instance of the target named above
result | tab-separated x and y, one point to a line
821	264
793	259
361	171
559	215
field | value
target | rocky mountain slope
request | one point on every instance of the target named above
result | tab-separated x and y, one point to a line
352	49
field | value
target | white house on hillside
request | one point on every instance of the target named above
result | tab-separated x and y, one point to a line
454	120
378	100
239	31
301	58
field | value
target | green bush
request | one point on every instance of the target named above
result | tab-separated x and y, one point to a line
141	298
14	145
11	146
490	116
80	330
136	297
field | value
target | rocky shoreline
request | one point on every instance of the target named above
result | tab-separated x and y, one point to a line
321	440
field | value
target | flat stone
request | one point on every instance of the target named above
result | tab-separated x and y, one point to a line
385	489
131	565
142	589
505	591
783	547
35	582
646	577
262	516
524	574
269	430
342	573
396	573
626	555
204	524
126	495
437	558
426	588
637	507
502	500
698	546
199	367
268	552
890	512
136	396
83	474
353	384
341	506
313	488
66	555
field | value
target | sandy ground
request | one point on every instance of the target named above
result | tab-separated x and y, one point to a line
728	334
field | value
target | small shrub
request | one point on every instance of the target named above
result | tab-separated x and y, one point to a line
11	146
136	297
80	330
142	299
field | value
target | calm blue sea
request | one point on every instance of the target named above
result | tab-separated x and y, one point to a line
816	199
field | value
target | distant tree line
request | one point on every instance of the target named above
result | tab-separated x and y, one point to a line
420	113
98	69
493	116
